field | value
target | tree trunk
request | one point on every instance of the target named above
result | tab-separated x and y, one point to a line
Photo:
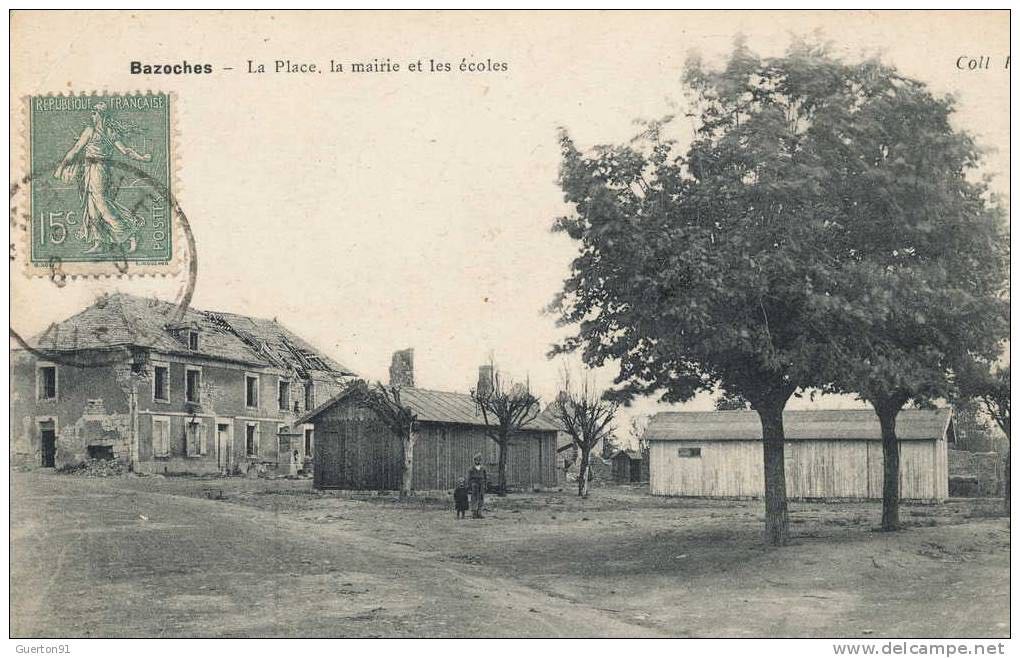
504	444
887	408
777	518
582	473
407	472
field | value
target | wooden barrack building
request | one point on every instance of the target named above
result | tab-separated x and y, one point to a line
355	450
830	454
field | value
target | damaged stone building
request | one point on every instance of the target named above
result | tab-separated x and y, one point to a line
167	390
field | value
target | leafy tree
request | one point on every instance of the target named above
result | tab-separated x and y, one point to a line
975	430
385	402
920	246
819	231
506	407
994	393
587	417
708	266
731	402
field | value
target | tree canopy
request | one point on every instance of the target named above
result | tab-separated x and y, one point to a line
815	206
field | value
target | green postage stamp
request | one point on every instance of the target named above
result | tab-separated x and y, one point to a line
100	182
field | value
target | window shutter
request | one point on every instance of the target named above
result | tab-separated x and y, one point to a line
190	436
203	438
160	437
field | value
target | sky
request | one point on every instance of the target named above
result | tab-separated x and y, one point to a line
375	212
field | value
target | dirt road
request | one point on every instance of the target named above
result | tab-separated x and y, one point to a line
157	557
90	559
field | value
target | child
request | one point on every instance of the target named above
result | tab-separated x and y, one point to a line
460	499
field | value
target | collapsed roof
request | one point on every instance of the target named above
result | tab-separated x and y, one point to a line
122	320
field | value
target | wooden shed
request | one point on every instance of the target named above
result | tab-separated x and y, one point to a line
354	450
627	466
830	454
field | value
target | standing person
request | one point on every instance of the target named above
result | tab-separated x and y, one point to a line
477	481
460	498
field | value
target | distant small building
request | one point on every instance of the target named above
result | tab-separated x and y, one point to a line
355	450
627	466
830	454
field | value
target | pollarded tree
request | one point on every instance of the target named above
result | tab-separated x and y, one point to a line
587	417
506	407
702	267
399	418
636	431
922	250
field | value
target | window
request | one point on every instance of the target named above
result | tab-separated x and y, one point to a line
192	384
195	439
251	391
161	383
309	395
192	340
251	439
283	393
283	444
161	437
46	382
309	441
689	452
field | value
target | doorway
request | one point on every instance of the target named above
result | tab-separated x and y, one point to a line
48	443
309	442
223	445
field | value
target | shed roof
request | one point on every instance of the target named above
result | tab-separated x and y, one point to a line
434	407
633	455
122	320
821	424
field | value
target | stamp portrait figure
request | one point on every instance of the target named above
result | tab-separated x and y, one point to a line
105	222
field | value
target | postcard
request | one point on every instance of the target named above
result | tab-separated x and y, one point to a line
506	324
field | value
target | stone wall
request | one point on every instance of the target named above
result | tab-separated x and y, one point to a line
91	408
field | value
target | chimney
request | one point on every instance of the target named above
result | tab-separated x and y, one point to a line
402	368
484	387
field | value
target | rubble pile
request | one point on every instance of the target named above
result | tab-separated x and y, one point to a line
97	468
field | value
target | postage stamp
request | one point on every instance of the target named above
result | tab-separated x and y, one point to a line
100	181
